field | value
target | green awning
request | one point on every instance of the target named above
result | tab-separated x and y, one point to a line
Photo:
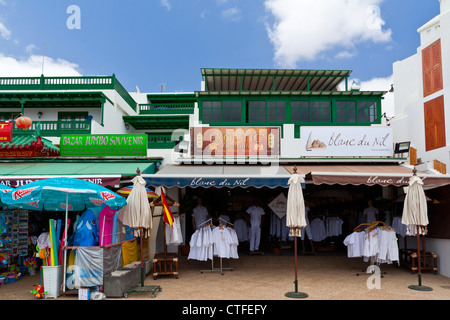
76	168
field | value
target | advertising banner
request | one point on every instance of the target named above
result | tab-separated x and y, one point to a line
6	129
102	145
235	141
344	141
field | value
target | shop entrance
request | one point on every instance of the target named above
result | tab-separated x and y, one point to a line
324	202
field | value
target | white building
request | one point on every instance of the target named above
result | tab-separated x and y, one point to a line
422	86
422	90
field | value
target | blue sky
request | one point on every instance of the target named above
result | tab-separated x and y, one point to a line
149	42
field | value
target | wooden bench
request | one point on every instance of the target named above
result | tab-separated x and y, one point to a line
428	260
165	266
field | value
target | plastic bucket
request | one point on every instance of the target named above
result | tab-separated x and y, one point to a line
52	281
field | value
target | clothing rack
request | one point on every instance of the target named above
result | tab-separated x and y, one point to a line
220	259
371	226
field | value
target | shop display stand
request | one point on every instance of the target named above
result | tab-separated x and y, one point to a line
164	265
221	269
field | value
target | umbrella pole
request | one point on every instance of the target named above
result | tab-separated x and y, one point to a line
296	294
419	287
142	258
65	242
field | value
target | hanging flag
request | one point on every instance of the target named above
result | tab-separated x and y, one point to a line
168	217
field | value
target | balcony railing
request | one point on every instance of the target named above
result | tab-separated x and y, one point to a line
57	128
67	83
166	108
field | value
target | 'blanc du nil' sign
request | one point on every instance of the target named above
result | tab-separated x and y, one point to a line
101	145
346	141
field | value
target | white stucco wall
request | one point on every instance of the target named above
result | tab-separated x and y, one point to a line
408	124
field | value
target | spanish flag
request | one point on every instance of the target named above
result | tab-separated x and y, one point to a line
168	217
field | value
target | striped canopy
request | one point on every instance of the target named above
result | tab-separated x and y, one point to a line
125	191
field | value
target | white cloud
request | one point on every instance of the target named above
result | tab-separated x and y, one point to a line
304	30
380	84
32	67
30	48
344	55
166	4
232	14
4	31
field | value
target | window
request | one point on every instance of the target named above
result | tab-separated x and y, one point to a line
434	124
432	68
299	111
276	111
345	111
221	111
256	111
367	111
320	111
69	120
163	140
266	111
231	111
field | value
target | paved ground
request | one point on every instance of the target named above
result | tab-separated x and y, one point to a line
325	276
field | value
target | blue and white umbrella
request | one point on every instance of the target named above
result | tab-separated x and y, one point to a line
62	194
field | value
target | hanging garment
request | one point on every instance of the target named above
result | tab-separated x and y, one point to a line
222	240
240	225
355	244
225	242
201	245
334	226
378	245
173	234
388	251
130	252
318	230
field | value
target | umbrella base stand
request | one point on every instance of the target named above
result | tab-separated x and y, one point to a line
420	287
144	289
296	294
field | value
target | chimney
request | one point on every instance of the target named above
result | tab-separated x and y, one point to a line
445	5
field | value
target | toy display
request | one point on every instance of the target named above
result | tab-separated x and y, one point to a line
38	292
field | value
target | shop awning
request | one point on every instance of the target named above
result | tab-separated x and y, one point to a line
107	174
384	175
219	176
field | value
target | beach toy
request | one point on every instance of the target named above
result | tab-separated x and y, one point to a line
38	292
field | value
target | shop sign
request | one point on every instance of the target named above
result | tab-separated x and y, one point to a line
101	145
262	142
18	182
346	141
279	205
6	129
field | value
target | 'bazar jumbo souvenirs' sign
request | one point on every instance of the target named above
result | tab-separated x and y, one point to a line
346	141
101	145
235	141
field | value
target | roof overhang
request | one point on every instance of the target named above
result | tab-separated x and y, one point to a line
157	122
218	79
46	99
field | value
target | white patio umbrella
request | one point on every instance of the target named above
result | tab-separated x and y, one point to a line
415	213
136	214
295	220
